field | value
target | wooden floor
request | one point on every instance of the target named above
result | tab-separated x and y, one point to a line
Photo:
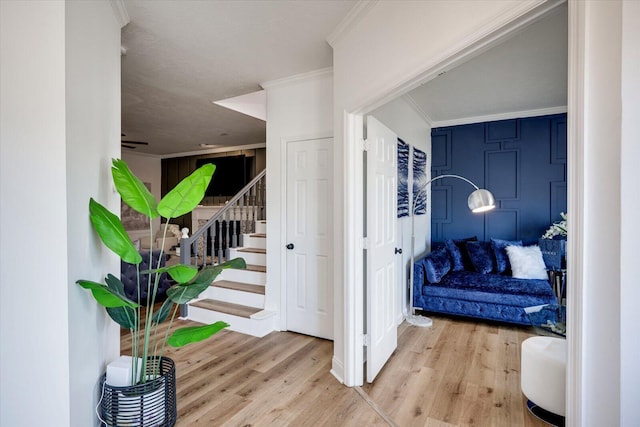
458	373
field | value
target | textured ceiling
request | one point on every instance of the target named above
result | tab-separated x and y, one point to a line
182	55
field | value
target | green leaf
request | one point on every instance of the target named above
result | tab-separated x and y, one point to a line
112	234
105	296
133	192
183	293
179	272
164	312
238	263
184	336
123	316
187	194
115	285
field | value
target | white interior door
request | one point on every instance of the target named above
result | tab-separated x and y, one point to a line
309	234
381	218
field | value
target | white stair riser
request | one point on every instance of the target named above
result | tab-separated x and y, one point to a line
249	257
254	242
248	299
254	327
261	227
243	276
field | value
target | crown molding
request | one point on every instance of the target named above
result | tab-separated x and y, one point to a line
501	116
297	78
120	11
415	107
356	13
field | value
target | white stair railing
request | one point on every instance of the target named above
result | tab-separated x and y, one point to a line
210	244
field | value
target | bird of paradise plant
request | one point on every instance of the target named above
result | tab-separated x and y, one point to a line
147	339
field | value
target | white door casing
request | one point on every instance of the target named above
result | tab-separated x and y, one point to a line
309	237
381	219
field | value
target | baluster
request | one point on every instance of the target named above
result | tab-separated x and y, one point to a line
234	235
259	198
263	191
226	233
243	218
254	207
205	246
219	241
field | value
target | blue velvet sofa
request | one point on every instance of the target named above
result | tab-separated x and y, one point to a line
473	279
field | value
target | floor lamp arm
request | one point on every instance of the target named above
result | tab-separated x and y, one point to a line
411	317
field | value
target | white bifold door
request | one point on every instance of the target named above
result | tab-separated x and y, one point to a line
309	237
381	236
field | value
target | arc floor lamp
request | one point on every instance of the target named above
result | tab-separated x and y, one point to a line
480	200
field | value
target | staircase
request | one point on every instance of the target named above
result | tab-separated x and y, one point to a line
237	296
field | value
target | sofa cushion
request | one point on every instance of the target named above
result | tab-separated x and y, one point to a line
458	251
526	262
502	259
481	255
437	264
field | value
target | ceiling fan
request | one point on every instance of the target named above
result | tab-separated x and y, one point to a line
131	144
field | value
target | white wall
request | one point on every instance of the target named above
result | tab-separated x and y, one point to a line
299	107
630	206
59	94
93	139
388	48
33	276
148	169
402	118
601	216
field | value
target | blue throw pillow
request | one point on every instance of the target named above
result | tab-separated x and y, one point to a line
481	256
437	264
458	251
502	259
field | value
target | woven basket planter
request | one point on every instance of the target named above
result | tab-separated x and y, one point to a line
152	404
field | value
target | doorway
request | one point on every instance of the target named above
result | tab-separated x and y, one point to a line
352	357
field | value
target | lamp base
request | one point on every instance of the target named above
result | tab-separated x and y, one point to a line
421	321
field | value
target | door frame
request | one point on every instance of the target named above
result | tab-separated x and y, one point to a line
353	263
283	218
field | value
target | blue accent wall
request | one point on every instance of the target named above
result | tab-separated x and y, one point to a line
523	162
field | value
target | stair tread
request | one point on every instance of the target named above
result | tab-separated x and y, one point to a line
253	250
226	307
254	267
259	235
239	286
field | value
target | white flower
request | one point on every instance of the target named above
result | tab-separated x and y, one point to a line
557	228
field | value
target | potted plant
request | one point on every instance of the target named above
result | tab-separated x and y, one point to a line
149	397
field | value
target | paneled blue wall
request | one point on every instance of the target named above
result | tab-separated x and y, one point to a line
522	161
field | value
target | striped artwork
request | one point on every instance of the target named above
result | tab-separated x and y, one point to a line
419	179
403	179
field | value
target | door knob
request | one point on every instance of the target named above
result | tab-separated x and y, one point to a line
290	246
398	250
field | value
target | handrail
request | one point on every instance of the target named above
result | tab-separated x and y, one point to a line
228	206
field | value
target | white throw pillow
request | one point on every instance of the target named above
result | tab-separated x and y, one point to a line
526	262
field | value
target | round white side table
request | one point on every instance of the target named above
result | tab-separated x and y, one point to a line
542	372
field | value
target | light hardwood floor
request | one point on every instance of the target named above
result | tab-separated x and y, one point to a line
458	373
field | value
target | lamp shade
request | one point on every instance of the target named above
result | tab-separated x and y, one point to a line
481	200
